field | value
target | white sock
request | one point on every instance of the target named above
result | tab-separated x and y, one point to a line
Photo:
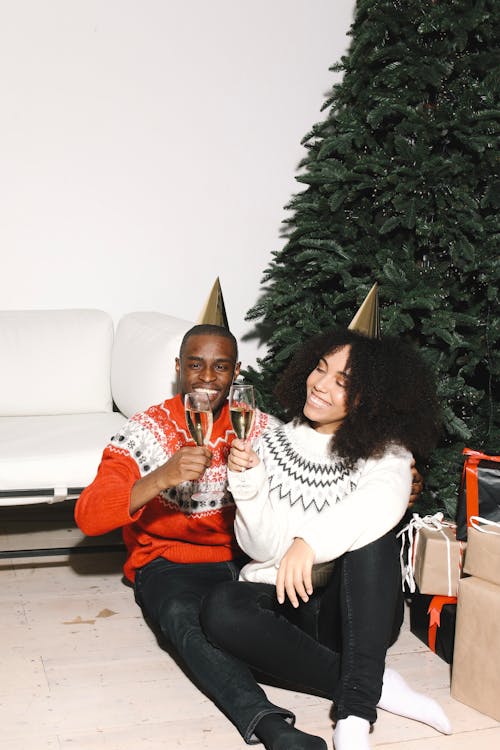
351	734
399	698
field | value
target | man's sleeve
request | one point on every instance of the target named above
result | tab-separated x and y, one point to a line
105	504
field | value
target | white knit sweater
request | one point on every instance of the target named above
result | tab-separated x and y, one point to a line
299	490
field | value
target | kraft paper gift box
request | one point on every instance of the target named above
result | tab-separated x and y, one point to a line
438	561
432	620
476	663
483	553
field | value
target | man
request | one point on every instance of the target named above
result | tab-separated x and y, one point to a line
178	548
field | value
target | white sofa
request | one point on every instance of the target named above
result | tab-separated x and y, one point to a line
67	383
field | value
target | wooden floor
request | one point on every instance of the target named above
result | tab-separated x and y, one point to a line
80	670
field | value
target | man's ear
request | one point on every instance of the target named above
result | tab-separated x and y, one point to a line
177	365
237	368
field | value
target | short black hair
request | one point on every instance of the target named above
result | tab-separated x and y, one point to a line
390	391
207	329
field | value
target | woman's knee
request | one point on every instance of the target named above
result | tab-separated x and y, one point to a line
381	551
377	563
371	591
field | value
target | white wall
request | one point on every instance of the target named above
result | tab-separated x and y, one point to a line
148	146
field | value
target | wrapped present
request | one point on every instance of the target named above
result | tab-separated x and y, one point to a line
476	663
434	557
479	493
483	550
438	561
432	620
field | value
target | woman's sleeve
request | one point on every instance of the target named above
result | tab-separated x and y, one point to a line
373	508
255	521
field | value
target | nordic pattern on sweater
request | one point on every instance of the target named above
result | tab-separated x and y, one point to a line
299	489
150	438
171	525
305	479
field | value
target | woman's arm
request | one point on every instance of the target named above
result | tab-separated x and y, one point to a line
255	521
372	509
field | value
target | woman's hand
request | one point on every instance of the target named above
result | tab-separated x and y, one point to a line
294	573
241	456
417	484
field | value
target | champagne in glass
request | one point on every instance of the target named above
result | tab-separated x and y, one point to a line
199	417
242	412
242	409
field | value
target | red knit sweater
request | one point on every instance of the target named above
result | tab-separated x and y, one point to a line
171	525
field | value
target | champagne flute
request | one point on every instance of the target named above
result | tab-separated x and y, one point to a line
242	412
199	417
242	409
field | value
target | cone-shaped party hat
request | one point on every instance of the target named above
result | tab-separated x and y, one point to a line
214	311
367	319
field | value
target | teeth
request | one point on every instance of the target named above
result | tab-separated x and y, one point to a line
317	401
208	391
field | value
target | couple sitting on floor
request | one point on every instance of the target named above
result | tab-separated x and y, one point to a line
294	572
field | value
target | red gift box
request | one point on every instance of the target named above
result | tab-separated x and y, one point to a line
432	619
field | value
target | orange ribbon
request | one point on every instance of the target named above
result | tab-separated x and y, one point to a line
436	604
471	483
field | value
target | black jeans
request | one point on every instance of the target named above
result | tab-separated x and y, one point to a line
334	645
170	596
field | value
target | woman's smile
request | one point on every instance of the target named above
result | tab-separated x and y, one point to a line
316	400
326	389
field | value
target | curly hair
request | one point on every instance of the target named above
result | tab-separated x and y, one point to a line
390	394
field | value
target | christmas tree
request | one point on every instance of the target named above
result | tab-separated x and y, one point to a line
401	187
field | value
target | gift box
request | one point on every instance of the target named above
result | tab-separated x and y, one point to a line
479	493
483	552
476	663
432	620
438	561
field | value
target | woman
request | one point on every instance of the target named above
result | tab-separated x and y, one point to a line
329	486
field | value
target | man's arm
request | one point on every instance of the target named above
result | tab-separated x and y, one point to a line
118	491
187	465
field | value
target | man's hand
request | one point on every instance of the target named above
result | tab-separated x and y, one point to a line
294	573
187	465
241	456
417	484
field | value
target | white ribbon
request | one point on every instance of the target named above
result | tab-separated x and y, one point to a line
412	529
478	522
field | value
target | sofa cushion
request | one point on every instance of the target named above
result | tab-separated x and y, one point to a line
55	362
143	360
53	453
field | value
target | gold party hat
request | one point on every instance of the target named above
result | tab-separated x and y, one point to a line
214	311
367	320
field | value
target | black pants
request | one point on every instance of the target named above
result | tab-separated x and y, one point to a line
334	645
171	596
